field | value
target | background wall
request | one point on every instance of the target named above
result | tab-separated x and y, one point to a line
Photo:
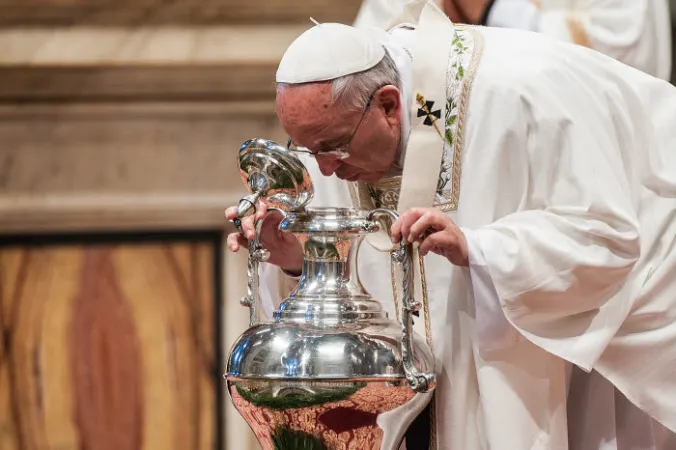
120	123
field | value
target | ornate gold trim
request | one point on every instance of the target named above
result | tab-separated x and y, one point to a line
395	291
385	192
388	183
477	53
394	183
423	282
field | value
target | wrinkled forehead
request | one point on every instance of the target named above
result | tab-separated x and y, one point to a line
306	105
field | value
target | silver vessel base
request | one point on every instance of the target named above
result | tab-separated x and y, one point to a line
328	415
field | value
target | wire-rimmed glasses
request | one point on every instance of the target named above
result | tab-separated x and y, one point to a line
341	152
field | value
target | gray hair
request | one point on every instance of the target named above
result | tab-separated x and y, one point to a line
354	91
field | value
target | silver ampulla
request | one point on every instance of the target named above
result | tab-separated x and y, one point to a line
331	371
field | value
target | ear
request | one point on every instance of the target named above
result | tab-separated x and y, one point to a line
389	100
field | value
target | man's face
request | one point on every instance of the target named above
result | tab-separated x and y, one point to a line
307	115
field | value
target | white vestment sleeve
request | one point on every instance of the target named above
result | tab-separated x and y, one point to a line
494	332
554	270
558	265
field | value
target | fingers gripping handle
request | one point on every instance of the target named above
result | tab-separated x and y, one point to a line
419	382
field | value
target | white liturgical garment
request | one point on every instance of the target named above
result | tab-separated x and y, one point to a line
568	201
636	32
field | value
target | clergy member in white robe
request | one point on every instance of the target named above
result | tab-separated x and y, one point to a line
567	212
636	32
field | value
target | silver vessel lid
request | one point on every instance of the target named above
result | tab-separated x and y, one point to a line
272	172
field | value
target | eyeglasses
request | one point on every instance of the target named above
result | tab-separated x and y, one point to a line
341	152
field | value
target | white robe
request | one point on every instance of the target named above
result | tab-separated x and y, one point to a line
569	213
636	32
550	267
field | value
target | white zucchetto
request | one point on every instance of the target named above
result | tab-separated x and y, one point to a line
328	51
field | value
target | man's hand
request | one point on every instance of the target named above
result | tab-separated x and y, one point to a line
435	232
285	250
466	11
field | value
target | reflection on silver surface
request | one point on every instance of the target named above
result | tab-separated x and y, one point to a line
329	288
332	371
319	415
273	173
305	351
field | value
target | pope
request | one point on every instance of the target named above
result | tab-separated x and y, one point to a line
537	180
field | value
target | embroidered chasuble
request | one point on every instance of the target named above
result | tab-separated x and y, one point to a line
440	106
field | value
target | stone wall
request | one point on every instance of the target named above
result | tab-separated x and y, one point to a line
118	121
132	12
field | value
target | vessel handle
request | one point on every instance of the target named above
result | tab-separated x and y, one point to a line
257	255
419	382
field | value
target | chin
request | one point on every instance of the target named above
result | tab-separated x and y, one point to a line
347	174
369	176
357	177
